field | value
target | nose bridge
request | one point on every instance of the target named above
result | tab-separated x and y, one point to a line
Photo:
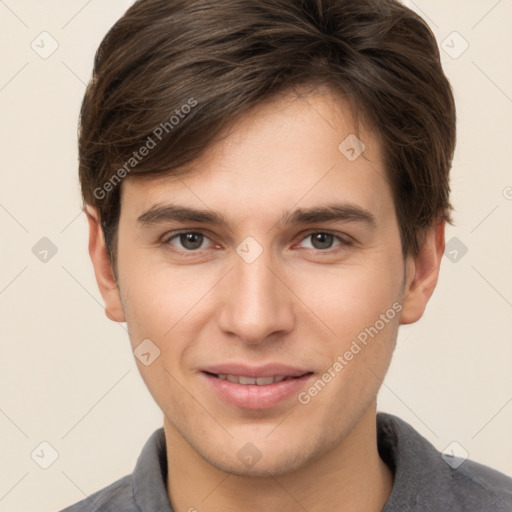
256	303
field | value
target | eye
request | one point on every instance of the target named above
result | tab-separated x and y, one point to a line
322	240
189	240
194	241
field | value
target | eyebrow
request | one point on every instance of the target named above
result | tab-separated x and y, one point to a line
161	213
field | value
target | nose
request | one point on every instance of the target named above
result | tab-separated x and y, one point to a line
258	304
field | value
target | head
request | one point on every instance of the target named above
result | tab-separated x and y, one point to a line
316	139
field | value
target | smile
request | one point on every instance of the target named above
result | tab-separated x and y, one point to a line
258	381
255	388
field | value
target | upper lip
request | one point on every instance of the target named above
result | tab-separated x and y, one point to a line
267	370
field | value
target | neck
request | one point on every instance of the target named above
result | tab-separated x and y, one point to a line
351	474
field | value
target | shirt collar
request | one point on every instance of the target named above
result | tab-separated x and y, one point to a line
416	464
149	484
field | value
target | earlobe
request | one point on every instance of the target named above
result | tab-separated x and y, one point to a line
105	278
422	274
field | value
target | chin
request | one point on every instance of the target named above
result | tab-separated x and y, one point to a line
262	468
250	461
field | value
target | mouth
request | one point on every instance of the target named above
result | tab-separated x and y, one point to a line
256	388
252	381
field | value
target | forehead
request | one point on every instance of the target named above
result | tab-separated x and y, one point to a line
293	149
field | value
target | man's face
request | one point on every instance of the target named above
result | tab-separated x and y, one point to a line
263	296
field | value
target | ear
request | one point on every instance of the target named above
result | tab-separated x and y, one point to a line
105	278
422	272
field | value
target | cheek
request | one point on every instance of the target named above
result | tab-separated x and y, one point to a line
361	308
164	305
350	299
161	306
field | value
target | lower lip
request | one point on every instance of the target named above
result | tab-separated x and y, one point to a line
252	396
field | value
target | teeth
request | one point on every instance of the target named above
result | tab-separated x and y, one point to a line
246	380
263	381
259	381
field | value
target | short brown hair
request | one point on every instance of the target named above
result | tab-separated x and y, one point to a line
205	62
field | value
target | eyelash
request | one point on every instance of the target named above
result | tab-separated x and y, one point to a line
345	240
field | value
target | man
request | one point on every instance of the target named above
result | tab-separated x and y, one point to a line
267	186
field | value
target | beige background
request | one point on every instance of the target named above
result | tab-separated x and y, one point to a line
67	374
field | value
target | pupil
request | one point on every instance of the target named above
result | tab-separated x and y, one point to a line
194	240
191	240
324	239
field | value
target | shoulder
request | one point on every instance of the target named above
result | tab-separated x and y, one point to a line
475	482
113	498
144	489
425	479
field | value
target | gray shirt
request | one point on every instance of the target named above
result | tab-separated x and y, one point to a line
424	481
